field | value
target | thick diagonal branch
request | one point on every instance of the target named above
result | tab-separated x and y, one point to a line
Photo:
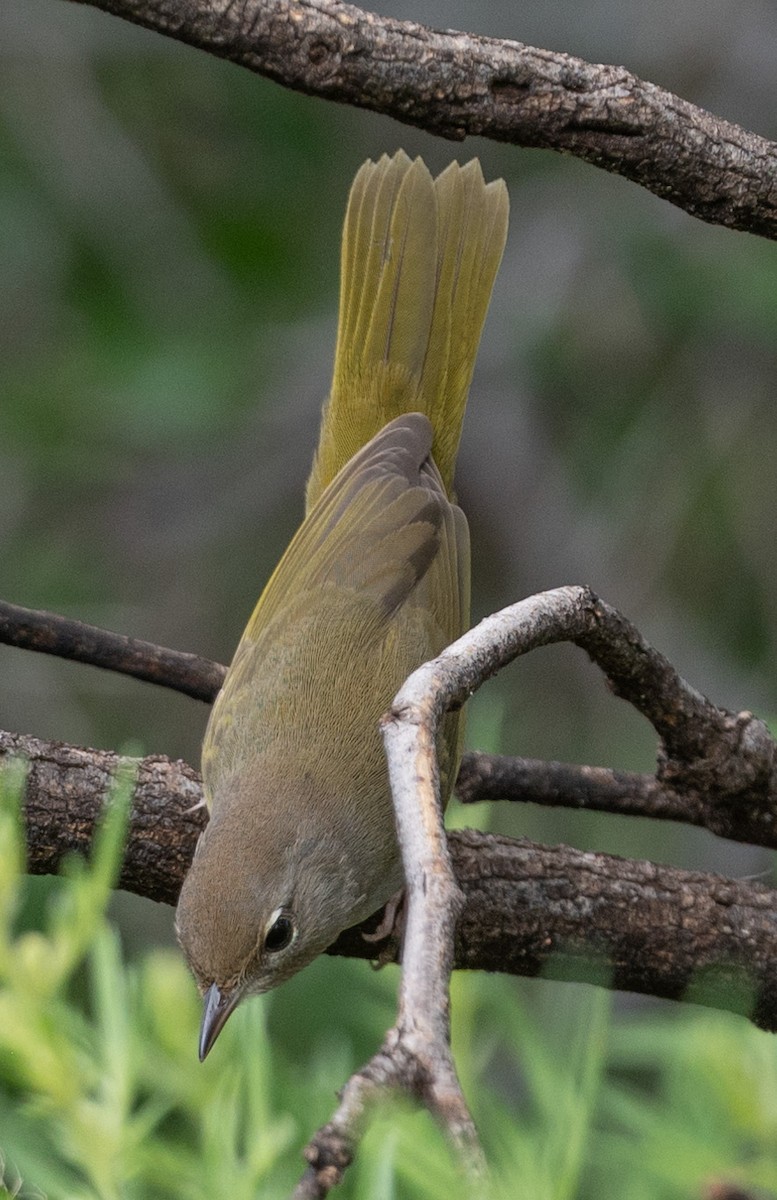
458	84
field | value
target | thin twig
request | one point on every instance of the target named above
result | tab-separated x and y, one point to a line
49	633
743	816
567	785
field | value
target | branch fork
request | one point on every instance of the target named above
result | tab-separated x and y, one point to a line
733	753
477	900
715	769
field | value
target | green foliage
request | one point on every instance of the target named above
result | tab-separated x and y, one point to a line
168	282
711	1112
102	1096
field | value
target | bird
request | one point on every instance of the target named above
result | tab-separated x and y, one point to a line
301	839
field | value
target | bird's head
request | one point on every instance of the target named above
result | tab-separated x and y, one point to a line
256	908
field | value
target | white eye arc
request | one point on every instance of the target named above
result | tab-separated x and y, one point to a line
280	932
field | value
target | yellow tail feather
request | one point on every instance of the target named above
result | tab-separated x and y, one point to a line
418	263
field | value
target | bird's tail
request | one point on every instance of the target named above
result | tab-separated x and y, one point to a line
419	258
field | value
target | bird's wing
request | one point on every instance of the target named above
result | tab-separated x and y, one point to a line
382	536
376	529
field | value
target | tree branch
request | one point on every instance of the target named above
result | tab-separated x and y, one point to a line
725	763
687	789
417	1048
33	629
566	785
619	923
459	84
66	790
601	789
530	910
485	902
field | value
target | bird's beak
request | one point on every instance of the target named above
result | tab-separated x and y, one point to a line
214	1017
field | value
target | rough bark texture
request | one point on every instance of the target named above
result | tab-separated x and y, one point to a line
638	926
65	794
529	909
458	84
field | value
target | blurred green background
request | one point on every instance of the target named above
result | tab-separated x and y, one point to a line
169	236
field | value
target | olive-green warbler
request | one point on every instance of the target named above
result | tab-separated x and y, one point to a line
301	841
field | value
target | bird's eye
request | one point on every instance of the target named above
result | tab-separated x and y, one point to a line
280	933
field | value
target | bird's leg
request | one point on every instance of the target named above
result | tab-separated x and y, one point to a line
392	920
391	930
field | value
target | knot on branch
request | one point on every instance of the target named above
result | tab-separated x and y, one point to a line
328	1155
735	775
